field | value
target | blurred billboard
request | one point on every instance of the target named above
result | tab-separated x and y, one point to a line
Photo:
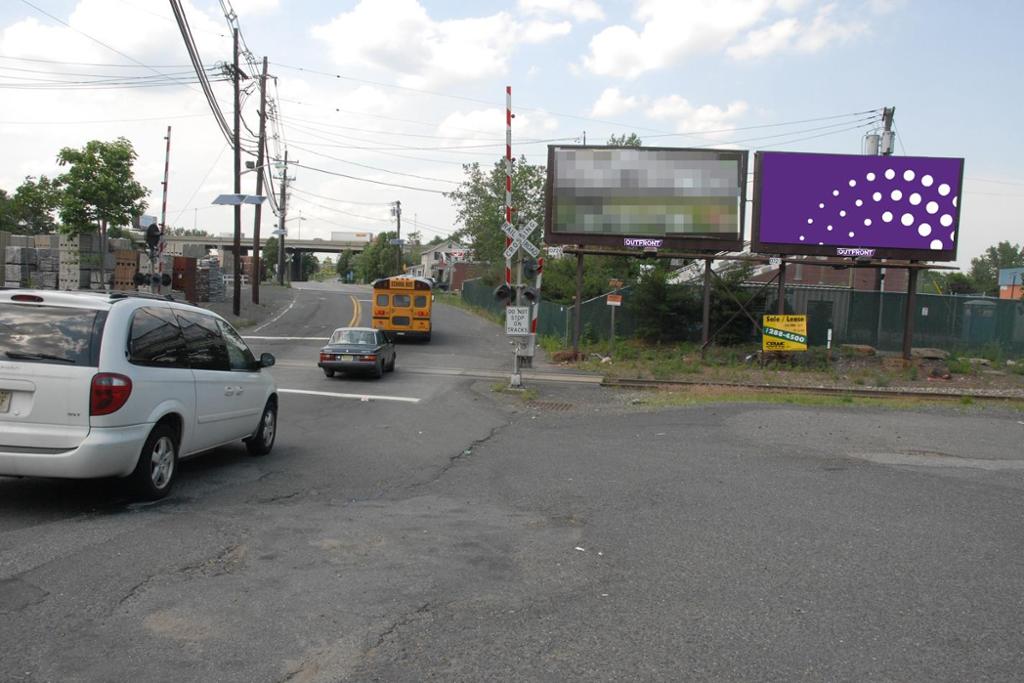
646	197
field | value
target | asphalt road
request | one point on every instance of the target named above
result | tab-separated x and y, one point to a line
463	534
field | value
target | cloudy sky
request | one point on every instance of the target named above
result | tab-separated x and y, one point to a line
395	95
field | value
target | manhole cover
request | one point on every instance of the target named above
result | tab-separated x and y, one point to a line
551	405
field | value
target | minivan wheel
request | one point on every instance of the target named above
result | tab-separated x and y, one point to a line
263	440
157	468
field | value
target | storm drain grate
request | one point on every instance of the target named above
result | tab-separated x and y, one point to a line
551	405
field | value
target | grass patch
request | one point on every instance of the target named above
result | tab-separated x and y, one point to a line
527	395
457	301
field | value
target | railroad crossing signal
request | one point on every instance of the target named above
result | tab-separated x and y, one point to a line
520	239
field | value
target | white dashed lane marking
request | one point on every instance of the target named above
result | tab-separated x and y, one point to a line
361	397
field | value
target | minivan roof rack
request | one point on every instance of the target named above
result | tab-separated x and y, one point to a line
117	296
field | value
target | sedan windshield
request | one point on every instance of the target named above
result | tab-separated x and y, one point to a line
360	337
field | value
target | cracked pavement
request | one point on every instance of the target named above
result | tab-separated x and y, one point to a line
477	536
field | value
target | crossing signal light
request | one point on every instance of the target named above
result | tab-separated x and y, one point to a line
530	268
153	236
531	294
502	293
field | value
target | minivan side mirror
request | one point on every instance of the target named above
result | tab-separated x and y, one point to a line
267	360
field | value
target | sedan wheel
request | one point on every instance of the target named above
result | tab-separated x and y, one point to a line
328	372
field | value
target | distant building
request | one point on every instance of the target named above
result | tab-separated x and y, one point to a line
861	279
436	261
1011	283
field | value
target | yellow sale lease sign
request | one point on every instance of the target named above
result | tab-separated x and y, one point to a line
784	333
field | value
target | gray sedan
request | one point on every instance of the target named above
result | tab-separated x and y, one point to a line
358	349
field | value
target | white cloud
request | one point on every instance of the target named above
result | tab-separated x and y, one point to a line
765	41
671	30
691	119
580	10
792	35
825	31
612	103
244	8
426	51
542	31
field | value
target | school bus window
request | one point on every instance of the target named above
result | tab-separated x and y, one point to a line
420	302
382	299
400	300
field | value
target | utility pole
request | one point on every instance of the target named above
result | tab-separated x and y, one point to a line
886	149
281	228
398	225
887	135
236	301
257	260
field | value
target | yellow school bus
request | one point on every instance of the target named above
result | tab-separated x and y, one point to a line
402	305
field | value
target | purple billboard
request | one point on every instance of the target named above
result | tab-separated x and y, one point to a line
854	205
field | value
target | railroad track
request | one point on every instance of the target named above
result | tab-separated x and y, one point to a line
865	392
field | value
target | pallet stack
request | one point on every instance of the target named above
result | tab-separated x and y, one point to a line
210	281
19	262
126	265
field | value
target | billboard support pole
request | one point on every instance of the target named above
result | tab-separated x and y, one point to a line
908	313
782	289
706	317
576	307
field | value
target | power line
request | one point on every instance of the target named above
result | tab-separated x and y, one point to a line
193	54
375	168
343	201
367	180
108	64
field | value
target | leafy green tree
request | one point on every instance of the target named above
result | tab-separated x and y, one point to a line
985	268
310	266
34	203
559	284
8	215
268	256
346	264
379	259
631	140
99	188
480	205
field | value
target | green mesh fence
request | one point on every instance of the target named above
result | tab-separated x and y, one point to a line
953	323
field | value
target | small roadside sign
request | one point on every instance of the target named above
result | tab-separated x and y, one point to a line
615	283
517	321
784	333
614	299
775	262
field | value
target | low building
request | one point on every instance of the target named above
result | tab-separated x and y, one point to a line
1011	283
436	261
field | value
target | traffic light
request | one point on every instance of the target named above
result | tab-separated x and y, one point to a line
531	294
502	293
139	279
530	268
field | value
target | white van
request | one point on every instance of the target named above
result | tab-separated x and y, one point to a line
96	384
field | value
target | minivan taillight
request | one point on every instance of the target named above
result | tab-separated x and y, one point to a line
110	392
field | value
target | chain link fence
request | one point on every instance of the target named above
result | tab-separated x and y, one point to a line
953	323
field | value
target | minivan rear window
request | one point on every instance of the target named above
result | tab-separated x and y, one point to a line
50	334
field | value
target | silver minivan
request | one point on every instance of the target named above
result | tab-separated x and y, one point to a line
96	384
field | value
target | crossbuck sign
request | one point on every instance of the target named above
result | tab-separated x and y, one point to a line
520	239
